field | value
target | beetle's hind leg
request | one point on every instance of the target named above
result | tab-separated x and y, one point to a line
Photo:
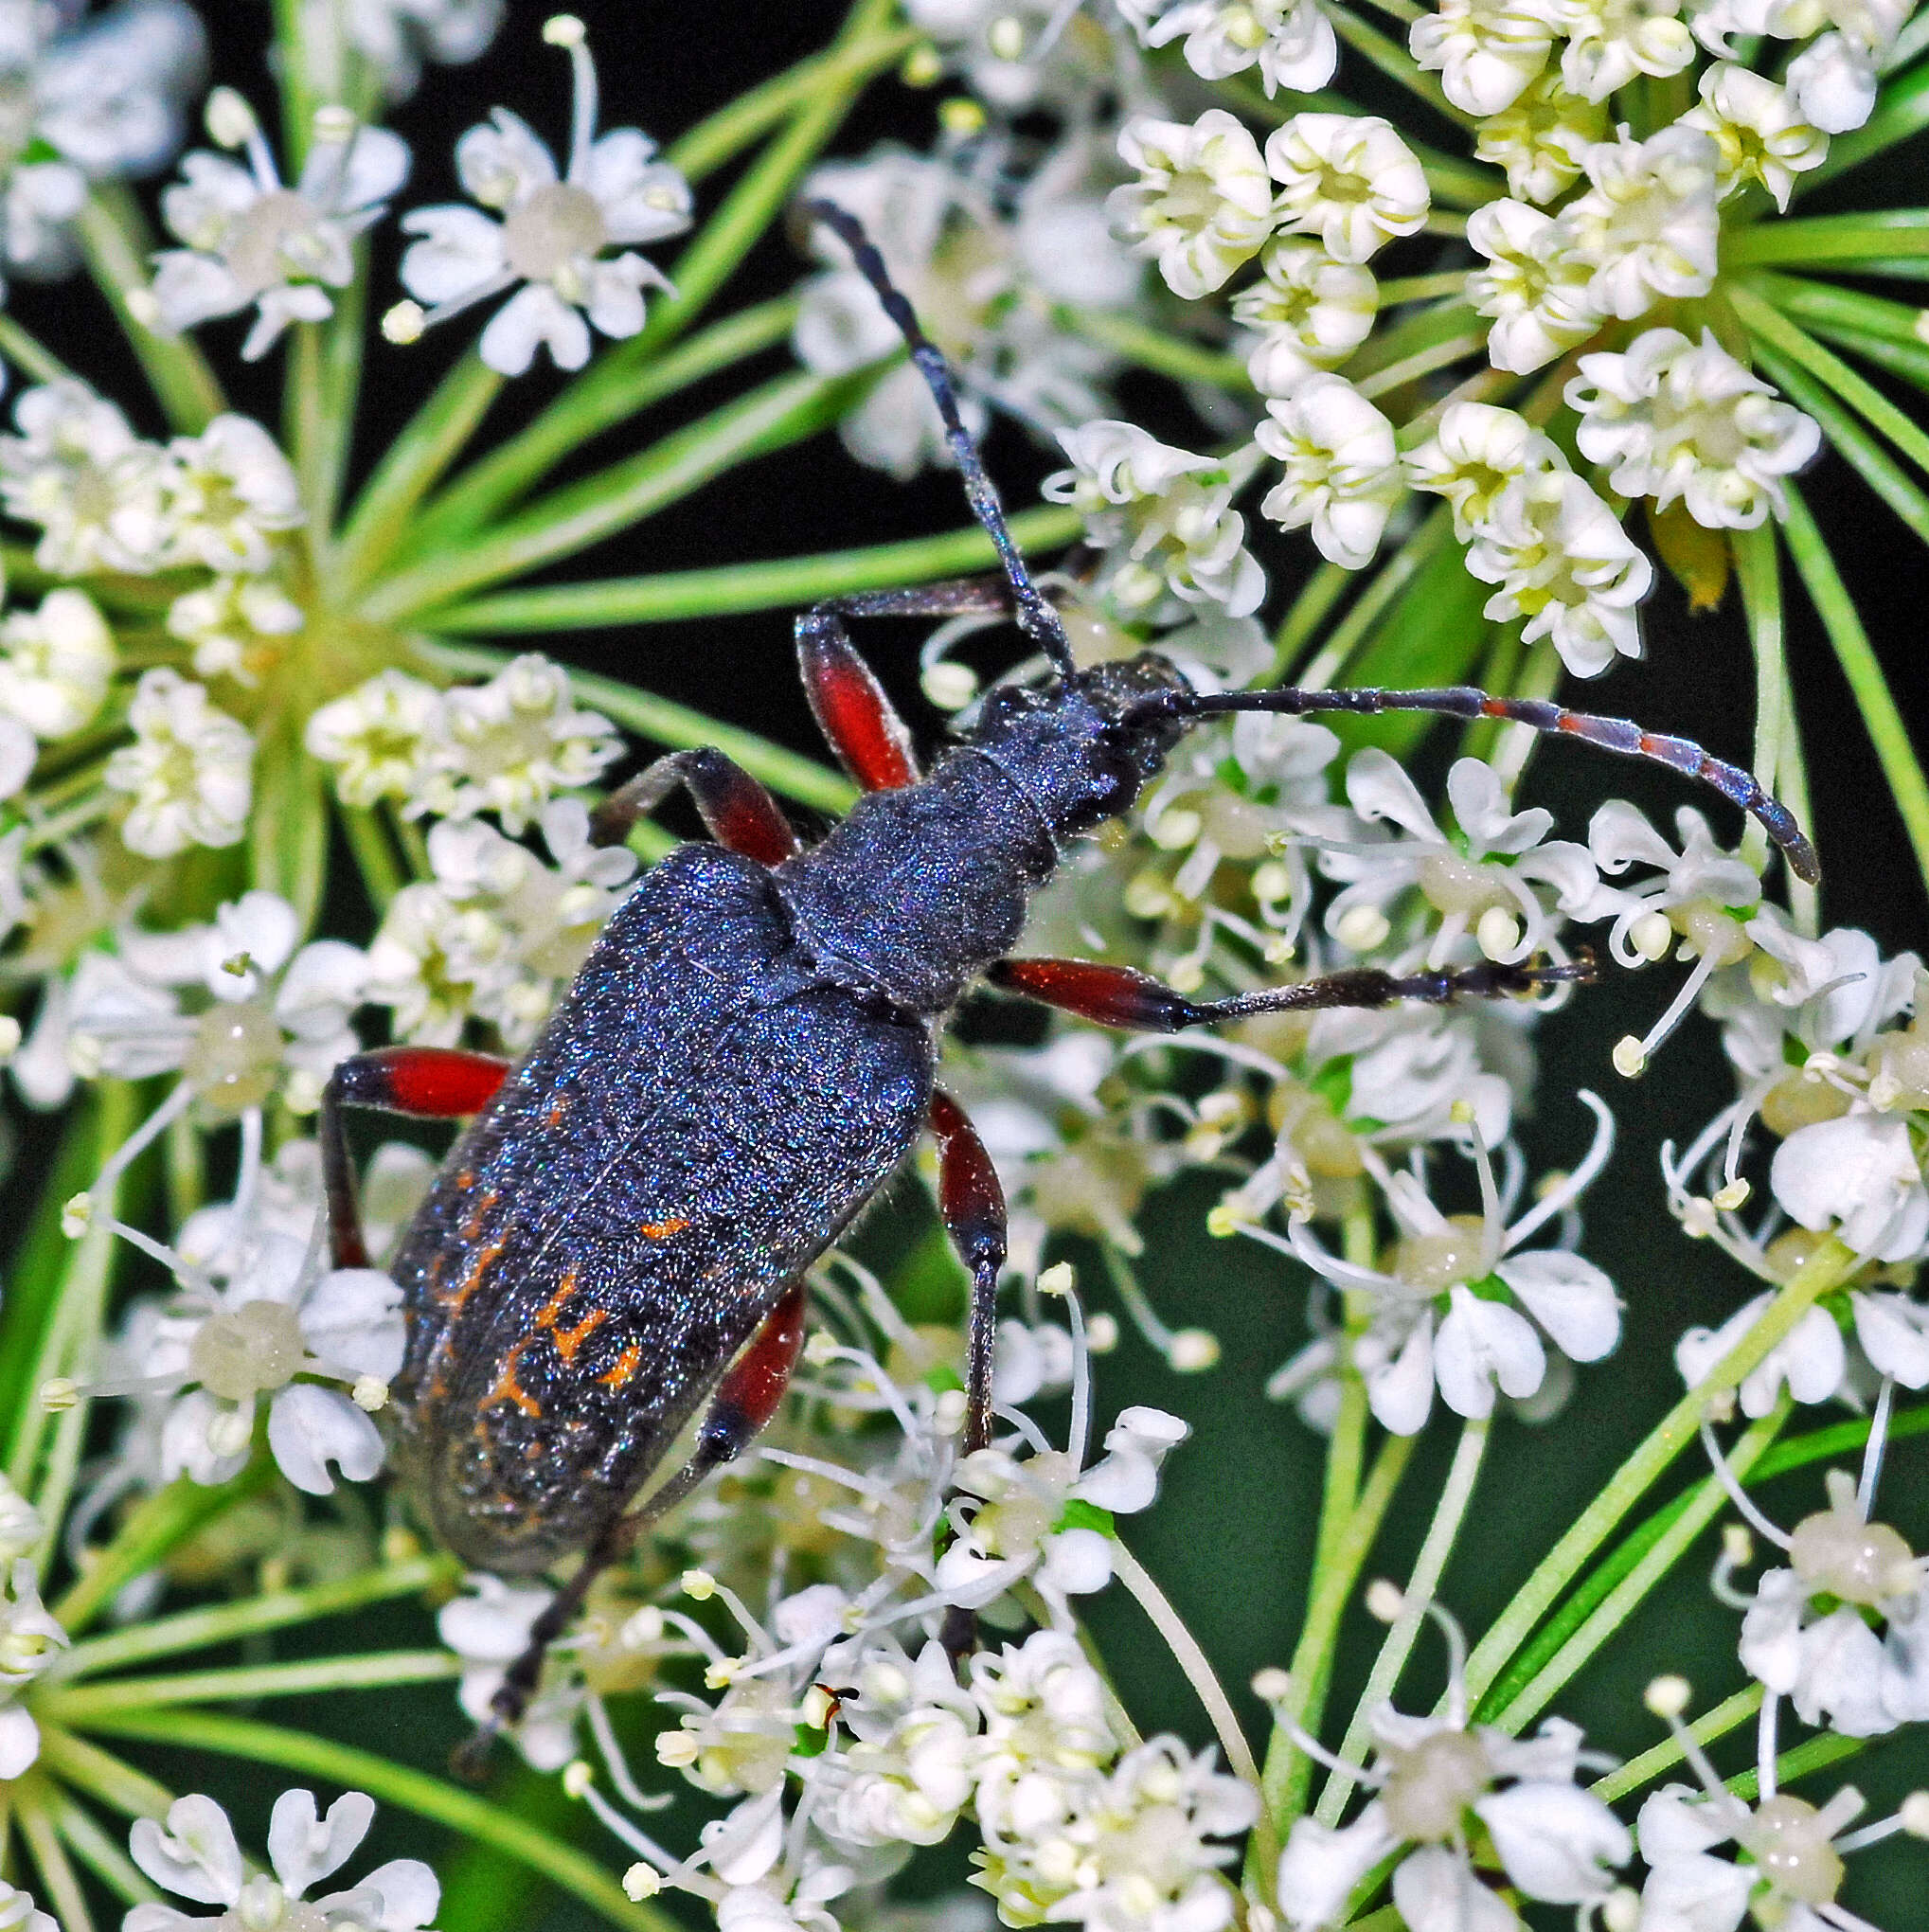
1121	997
735	807
745	1400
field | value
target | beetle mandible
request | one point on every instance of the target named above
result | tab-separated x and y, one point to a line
747	1054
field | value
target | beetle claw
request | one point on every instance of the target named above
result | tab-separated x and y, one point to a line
468	1761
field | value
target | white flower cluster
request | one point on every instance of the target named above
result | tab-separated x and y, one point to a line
30	1639
507	746
987	285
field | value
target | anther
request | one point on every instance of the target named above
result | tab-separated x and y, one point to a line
1629	1057
229	120
1667	1697
563	30
641	1882
577	1775
404	323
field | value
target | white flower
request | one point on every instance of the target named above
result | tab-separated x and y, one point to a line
232	492
197	1859
378	737
30	1638
1487	1340
1485	51
1538	289
1543	139
1203	203
552	231
1499	862
1309	312
1834	78
1610	41
1757	129
1436	1779
497	933
98	492
260	1012
1349	179
1342	471
395	37
1018	55
228	622
1164	513
21	1527
18	1912
189	769
1805	1638
488	1629
1474	453
508	745
1041	1514
1292	40
251	243
58	664
1564	562
1858	1177
1684	420
1647	225
1811	1358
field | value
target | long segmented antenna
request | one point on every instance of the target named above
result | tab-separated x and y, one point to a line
1618	735
1036	617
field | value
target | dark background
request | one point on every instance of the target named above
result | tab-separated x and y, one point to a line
1231	1537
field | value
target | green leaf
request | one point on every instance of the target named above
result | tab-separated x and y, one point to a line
1154	349
782	583
1862	237
78	1704
464	1812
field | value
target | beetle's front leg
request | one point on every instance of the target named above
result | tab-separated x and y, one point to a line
737	811
1122	996
426	1083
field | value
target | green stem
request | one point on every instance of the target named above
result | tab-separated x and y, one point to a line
1457	1494
782	583
1619	1603
1826	1269
1422	362
1757	567
1882	473
189	1629
59	1883
465	1812
103	1856
1393	577
1154	349
1729	1715
23	350
780	412
665	723
1309	610
581	412
101	1775
434	438
375	859
1890	233
303	432
1863	669
153	1529
71	1323
1861	395
368	1670
114	239
752	115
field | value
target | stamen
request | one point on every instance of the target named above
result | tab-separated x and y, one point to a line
566	30
617	1765
1878	1444
1736	1494
1577	1184
1765	1752
1666	1697
1187	1350
1641	1051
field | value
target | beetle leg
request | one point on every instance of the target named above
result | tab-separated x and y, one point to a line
973	1207
745	1400
429	1082
736	807
850	706
1120	996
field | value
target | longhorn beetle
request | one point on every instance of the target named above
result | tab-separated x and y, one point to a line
625	1228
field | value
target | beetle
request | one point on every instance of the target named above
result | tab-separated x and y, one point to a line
624	1229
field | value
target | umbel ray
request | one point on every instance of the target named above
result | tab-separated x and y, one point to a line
622	1233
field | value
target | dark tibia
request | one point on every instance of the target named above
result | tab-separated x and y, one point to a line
1118	996
1036	617
745	1400
1618	735
958	597
737	811
427	1083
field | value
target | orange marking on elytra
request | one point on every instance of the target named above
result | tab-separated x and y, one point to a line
509	1389
478	1268
620	1373
547	1314
657	1231
554	1116
569	1340
478	1215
